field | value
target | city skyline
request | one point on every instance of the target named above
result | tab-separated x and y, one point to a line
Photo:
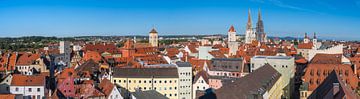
98	18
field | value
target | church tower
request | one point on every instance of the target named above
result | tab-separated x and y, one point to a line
232	44
306	38
314	40
249	34
261	36
232	34
153	38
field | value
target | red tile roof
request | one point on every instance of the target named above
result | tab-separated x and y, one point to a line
25	80
92	55
27	59
232	29
106	87
327	59
217	54
305	45
87	91
7	96
101	48
192	48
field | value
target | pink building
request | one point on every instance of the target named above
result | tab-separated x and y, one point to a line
66	87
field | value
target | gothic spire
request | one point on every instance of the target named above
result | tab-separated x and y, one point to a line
259	15
249	23
259	24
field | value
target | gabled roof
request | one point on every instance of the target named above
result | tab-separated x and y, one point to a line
87	91
305	45
259	81
192	48
331	83
101	48
106	87
92	55
26	80
217	54
27	59
89	66
202	74
326	59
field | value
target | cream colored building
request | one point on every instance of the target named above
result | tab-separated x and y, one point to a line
163	80
153	38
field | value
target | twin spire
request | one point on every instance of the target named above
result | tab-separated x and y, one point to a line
306	36
249	23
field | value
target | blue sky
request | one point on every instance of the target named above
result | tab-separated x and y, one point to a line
332	19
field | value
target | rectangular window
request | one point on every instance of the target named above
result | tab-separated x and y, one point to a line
30	90
38	89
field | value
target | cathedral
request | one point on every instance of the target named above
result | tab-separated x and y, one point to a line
255	34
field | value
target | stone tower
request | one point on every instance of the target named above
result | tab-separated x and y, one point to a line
153	38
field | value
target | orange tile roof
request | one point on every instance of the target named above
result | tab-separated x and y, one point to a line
217	54
86	91
305	46
25	80
7	96
106	86
101	48
92	55
192	48
10	62
27	59
327	59
316	73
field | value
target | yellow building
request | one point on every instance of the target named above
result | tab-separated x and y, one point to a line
276	90
163	80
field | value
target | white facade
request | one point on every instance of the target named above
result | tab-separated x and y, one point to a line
115	94
250	36
200	84
36	92
204	52
185	82
24	69
233	47
231	36
338	49
153	38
